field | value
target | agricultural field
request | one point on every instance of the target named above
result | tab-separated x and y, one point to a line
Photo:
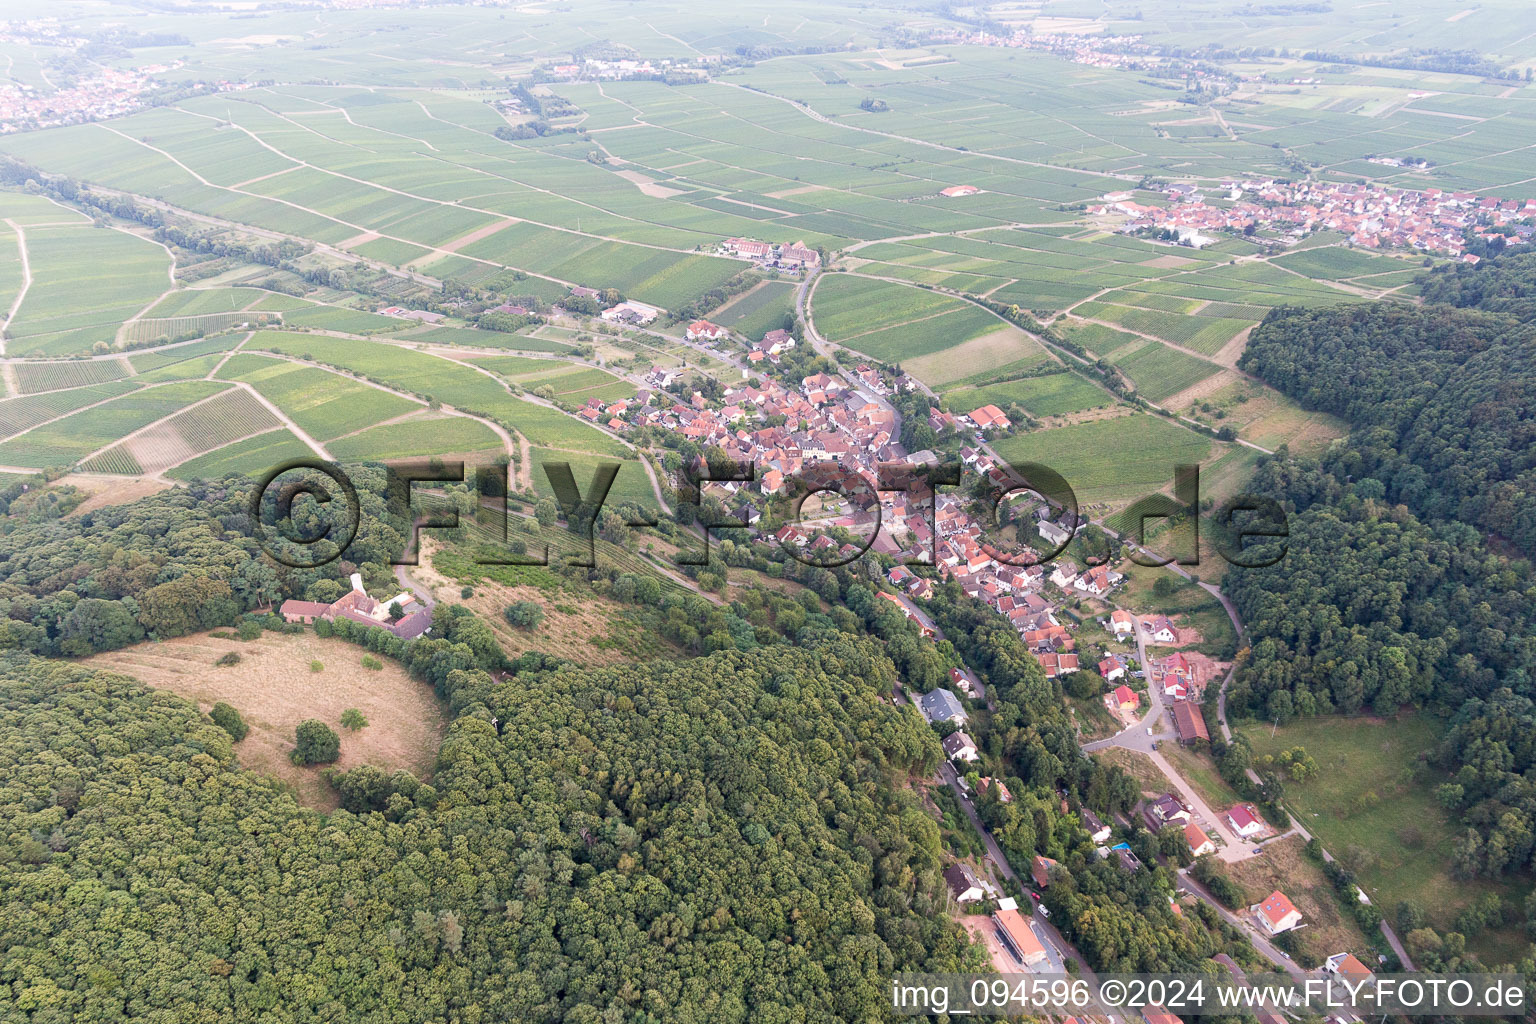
758	311
417	438
325	405
85	282
250	457
24	412
1160	372
64	442
201	301
1117	459
1262	415
1053	394
34	377
211	424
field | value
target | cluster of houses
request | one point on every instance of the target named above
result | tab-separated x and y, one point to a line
778	255
105	93
413	619
1371	216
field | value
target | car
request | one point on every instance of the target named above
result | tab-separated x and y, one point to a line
1035	895
1045	912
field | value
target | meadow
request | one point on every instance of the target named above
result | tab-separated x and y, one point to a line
1372	804
1115	459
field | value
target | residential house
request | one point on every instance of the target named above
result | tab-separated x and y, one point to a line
963	884
1112	667
1122	622
1277	913
1160	629
960	747
1244	821
941	706
1003	796
1040	870
1126	698
964	682
1168	810
703	330
414	621
1097	830
1346	966
1199	843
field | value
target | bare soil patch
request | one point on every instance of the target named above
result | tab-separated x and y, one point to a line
1166	262
111	490
984	931
274	689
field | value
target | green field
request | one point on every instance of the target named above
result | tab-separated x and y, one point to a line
85	282
251	457
1110	460
419	438
325	405
759	311
65	441
1054	394
1160	371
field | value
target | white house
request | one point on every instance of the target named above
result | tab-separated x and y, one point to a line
959	746
1277	913
1244	822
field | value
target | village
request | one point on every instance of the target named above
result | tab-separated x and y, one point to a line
1370	216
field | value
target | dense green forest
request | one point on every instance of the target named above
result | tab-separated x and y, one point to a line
1442	400
716	839
1403	581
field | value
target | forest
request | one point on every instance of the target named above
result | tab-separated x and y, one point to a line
1406	577
717	839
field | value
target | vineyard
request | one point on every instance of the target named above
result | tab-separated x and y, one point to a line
139	331
34	377
234	414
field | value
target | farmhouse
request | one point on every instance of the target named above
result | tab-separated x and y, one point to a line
751	248
959	190
703	330
989	417
356	605
630	312
1017	935
1277	913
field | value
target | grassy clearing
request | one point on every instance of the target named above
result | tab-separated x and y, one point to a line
1372	804
272	690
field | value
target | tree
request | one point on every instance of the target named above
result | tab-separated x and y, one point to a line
546	512
316	743
227	718
524	614
353	719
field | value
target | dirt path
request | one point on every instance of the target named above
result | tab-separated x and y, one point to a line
26	277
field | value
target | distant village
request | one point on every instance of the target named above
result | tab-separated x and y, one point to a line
1371	216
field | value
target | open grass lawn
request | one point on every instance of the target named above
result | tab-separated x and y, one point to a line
1114	459
1372	804
274	689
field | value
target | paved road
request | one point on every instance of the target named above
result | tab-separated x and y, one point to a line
1268	949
